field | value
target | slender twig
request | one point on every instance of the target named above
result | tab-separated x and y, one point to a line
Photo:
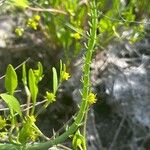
117	133
51	10
64	147
16	67
25	105
124	20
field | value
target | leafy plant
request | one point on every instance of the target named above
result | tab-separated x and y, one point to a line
24	129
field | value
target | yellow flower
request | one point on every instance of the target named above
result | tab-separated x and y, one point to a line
76	36
37	17
32	24
92	98
19	31
32	118
65	75
50	97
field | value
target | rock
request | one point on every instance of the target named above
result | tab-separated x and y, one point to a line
121	79
6	30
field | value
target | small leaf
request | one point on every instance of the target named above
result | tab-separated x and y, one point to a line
11	80
40	68
61	66
29	130
55	80
24	133
50	97
33	86
12	102
39	73
2	122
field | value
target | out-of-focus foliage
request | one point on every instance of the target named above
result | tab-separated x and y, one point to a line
19	3
64	22
124	20
61	28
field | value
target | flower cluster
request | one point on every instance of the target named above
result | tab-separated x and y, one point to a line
65	75
92	98
50	97
76	36
34	22
19	31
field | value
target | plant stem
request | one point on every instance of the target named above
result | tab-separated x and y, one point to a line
28	99
84	129
51	10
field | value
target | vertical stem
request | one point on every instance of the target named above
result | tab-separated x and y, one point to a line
28	99
84	130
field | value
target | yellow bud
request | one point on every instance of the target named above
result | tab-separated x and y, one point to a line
65	75
76	36
32	24
92	98
19	31
50	97
37	17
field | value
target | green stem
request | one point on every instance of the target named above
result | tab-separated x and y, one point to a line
28	99
84	130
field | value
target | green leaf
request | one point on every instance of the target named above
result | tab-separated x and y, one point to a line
55	80
19	3
24	75
61	66
33	86
2	123
12	102
24	133
11	80
29	131
40	68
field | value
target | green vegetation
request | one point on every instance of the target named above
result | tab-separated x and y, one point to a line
64	25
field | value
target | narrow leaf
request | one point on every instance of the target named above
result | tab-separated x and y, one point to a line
33	86
55	80
61	66
11	80
40	68
12	102
38	73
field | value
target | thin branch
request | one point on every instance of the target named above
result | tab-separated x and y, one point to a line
123	20
63	147
24	105
16	67
117	133
51	10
